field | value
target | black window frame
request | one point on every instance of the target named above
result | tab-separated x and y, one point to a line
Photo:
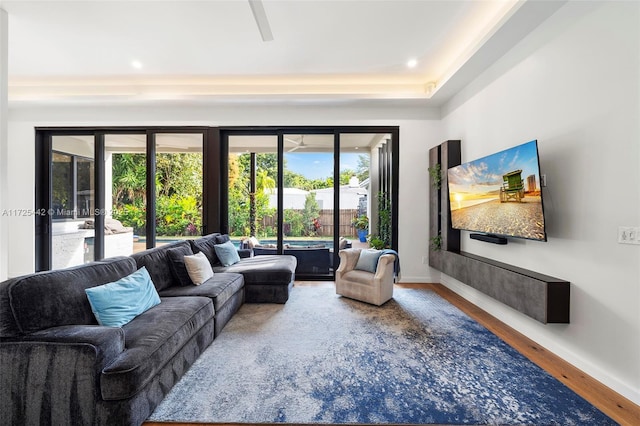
215	173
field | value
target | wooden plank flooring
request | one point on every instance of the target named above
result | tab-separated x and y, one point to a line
619	408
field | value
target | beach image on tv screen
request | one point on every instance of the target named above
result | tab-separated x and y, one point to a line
499	194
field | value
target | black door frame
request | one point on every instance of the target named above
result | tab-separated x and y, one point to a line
215	176
390	169
43	197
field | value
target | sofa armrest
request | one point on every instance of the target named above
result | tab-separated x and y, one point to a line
53	376
385	266
107	342
244	253
348	260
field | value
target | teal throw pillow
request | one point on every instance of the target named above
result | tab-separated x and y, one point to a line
227	253
115	304
368	260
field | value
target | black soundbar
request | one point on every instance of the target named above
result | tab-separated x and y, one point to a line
488	238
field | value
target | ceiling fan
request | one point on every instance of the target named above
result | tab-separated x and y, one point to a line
298	145
257	8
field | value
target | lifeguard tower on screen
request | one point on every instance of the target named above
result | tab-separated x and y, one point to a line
512	187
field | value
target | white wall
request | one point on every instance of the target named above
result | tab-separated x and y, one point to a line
573	84
4	146
419	129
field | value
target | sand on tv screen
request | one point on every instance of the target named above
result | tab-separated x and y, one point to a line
499	194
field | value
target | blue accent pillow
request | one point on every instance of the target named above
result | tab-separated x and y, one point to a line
115	304
368	260
227	253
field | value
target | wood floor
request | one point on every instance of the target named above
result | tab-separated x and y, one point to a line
619	408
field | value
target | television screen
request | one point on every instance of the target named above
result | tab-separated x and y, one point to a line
499	194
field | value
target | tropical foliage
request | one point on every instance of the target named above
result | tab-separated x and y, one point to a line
383	238
243	221
178	182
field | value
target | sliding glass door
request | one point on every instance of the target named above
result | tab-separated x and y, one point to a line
284	186
296	190
252	188
125	193
308	202
72	199
116	192
178	186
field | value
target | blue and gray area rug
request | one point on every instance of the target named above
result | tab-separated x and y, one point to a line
321	358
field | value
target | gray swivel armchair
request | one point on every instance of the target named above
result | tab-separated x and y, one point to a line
357	281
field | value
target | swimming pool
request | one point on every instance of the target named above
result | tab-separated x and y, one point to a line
301	243
161	240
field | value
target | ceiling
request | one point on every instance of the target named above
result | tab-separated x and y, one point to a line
122	52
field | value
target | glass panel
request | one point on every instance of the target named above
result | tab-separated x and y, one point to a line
308	202
357	183
382	192
72	189
62	186
84	187
125	194
253	199
178	186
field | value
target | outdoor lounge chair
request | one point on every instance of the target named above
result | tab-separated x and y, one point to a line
312	260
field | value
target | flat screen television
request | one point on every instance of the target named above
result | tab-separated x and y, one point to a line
499	195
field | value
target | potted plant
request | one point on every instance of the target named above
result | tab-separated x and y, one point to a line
361	223
376	243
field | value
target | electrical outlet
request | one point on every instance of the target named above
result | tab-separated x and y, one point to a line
623	235
543	180
425	260
628	235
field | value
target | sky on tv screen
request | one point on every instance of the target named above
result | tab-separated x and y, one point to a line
481	199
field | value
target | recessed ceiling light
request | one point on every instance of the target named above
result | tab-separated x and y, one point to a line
136	64
412	63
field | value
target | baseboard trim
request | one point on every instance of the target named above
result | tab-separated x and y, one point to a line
419	280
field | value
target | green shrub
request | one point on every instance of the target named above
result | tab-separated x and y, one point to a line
133	216
178	216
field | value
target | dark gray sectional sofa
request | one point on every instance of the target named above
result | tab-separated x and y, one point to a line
58	366
311	260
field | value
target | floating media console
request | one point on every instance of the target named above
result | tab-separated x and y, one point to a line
488	238
539	296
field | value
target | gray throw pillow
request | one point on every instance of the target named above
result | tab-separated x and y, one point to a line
177	266
206	246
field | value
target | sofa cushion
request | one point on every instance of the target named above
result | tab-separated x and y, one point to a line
158	264
220	288
267	269
252	242
36	300
152	339
206	245
358	276
343	243
221	239
115	304
198	268
227	253
178	269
